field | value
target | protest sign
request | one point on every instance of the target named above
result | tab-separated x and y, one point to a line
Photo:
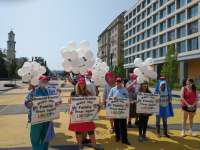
147	103
44	109
84	109
117	108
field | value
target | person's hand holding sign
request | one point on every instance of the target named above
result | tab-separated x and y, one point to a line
30	104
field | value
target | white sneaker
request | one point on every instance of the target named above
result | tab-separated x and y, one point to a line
191	133
182	133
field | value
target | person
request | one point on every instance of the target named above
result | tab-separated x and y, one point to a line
165	105
110	82
120	125
132	90
81	129
143	118
189	99
41	133
90	83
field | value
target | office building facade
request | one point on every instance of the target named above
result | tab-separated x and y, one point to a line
151	25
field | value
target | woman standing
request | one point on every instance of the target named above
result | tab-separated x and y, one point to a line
189	98
120	125
143	118
110	82
86	127
165	105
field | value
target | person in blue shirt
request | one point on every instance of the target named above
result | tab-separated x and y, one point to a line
166	109
41	133
120	125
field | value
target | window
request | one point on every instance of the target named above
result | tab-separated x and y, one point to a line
171	22
180	3
181	47
130	15
155	41
138	18
163	38
144	14
171	8
193	44
171	35
155	6
149	44
162	51
149	10
193	27
155	53
155	29
193	11
143	24
181	32
155	17
163	26
163	13
162	2
181	17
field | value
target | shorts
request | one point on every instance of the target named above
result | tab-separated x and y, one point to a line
188	109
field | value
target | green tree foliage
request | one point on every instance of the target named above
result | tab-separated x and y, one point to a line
170	66
3	70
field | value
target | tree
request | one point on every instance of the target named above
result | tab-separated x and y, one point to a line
119	71
3	70
170	66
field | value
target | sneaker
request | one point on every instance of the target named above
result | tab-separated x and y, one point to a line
126	143
167	135
140	139
191	133
158	135
182	133
145	138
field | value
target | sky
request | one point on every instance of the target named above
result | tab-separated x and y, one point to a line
42	27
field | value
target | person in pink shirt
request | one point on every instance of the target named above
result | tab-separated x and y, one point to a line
189	101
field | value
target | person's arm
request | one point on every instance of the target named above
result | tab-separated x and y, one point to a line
196	101
110	93
28	100
182	97
130	85
105	94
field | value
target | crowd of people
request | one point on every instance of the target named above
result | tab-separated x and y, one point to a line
42	133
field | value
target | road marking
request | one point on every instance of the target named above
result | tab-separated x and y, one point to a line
4	108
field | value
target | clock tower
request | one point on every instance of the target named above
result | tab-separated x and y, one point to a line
11	46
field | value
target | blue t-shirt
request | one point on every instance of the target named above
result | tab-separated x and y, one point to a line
118	92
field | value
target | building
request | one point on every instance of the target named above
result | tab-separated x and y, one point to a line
11	46
110	42
151	25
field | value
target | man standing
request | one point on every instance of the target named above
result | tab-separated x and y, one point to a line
89	83
41	133
120	125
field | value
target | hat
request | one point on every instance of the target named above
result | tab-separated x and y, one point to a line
133	76
43	78
162	82
109	74
81	80
118	79
88	72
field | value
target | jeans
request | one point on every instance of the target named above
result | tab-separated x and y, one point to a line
143	121
164	119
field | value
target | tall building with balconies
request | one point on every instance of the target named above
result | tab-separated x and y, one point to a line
110	42
151	25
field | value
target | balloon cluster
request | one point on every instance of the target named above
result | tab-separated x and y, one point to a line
99	70
77	59
144	70
31	71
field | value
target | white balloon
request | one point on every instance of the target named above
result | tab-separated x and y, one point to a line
84	44
148	61
138	62
137	71
42	70
34	81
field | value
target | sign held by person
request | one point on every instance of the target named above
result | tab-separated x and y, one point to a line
44	109
117	108
147	103
84	109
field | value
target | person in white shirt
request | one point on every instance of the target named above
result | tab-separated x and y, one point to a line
90	85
